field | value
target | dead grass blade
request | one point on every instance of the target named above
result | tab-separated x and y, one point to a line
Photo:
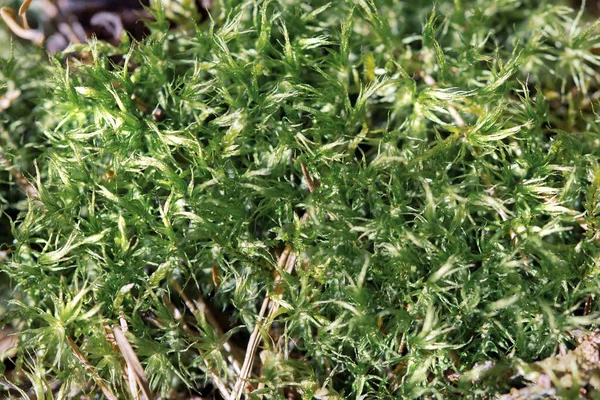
133	363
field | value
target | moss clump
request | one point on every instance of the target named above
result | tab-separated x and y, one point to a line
413	189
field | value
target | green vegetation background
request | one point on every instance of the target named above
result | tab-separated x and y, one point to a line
455	222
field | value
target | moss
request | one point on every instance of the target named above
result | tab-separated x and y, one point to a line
430	174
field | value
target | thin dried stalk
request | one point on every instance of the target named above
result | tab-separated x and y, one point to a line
192	307
199	306
129	373
309	182
287	260
215	378
132	361
254	340
77	351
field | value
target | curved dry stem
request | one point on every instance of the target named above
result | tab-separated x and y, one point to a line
24	32
23	13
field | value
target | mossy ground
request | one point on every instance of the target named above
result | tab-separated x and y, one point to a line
432	173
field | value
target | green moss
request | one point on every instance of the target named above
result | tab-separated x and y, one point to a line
454	221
